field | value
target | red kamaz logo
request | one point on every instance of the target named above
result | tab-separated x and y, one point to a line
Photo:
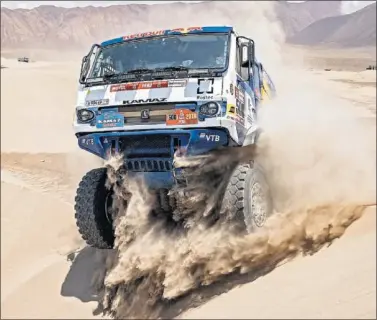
144	35
186	30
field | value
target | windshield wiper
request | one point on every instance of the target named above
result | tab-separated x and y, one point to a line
140	70
121	74
134	72
178	68
111	75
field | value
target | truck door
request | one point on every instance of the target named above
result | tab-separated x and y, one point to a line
256	83
267	86
245	97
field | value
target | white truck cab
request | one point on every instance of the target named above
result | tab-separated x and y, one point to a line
198	77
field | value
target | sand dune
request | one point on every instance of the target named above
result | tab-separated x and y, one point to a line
35	239
38	229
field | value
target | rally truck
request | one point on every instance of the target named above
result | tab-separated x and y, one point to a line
147	95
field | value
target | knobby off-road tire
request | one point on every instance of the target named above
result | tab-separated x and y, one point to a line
247	198
92	221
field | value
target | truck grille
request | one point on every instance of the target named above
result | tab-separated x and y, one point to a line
145	146
151	165
157	113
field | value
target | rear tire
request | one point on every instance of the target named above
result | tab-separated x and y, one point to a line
247	200
91	205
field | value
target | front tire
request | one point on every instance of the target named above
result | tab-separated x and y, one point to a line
247	200
92	202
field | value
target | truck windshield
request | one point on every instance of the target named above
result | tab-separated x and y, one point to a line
194	51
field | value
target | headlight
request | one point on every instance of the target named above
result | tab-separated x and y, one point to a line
209	108
85	115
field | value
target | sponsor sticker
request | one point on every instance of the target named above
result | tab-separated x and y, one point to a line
241	96
205	86
181	117
87	141
139	86
204	97
240	120
210	137
177	83
257	93
236	118
145	114
100	102
148	85
230	109
109	120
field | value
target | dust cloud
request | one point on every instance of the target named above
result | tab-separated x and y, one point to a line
320	165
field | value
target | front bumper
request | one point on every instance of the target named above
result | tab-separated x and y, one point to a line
150	153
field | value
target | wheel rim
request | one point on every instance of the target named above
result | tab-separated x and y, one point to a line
108	207
258	205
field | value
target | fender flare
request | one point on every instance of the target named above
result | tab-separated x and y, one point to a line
252	135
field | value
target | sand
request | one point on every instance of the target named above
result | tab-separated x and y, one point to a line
41	166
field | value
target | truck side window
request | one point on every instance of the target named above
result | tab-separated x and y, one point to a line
244	69
245	73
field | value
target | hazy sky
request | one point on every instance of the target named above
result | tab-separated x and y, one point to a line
348	6
70	4
352	6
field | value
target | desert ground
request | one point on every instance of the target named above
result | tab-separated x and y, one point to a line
46	268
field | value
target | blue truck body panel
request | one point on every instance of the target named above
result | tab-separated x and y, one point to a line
150	153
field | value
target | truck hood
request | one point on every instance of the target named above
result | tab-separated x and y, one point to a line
171	90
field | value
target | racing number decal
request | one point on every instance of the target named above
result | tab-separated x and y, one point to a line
182	116
205	86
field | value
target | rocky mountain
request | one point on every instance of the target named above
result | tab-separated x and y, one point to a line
352	30
50	27
294	17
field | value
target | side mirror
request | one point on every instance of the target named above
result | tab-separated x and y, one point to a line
245	55
252	52
84	67
85	64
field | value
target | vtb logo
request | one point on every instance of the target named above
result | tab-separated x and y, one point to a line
210	137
